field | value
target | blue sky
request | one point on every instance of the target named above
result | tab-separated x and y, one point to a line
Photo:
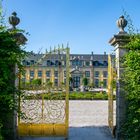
86	24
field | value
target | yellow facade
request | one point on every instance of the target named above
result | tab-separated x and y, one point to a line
90	66
61	76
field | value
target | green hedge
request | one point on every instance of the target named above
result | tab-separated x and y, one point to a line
131	81
87	96
72	96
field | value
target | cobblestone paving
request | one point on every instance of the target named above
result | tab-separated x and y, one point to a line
88	121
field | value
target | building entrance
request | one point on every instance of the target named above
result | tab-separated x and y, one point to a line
76	81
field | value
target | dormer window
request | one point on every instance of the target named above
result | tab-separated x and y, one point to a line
48	62
57	63
24	62
76	62
28	63
32	62
96	63
105	63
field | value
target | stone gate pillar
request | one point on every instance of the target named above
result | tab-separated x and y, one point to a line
20	40
118	41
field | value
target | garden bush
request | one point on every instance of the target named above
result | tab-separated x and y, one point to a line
131	79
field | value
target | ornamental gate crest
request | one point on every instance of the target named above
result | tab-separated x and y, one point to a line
44	101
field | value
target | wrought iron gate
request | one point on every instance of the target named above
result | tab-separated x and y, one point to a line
111	84
44	108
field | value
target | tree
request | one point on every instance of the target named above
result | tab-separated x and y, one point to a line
36	82
91	85
101	84
71	83
70	80
49	84
85	81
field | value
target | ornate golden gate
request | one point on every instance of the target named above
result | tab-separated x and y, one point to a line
44	108
111	86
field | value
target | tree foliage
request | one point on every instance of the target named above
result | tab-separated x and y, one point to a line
11	55
85	81
132	87
36	82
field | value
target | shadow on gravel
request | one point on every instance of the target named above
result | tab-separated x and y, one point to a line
81	133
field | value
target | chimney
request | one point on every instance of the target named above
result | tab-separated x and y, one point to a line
92	55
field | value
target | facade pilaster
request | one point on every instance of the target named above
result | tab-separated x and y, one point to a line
36	73
27	74
43	75
52	75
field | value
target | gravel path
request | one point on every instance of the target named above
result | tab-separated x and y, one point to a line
88	121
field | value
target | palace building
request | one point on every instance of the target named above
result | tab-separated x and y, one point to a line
92	67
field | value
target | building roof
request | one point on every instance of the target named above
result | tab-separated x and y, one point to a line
94	57
97	59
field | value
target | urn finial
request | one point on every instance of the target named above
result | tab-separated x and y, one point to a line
19	36
14	20
122	23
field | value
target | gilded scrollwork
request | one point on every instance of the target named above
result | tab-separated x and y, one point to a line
36	109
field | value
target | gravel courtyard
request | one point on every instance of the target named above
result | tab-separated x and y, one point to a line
87	121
